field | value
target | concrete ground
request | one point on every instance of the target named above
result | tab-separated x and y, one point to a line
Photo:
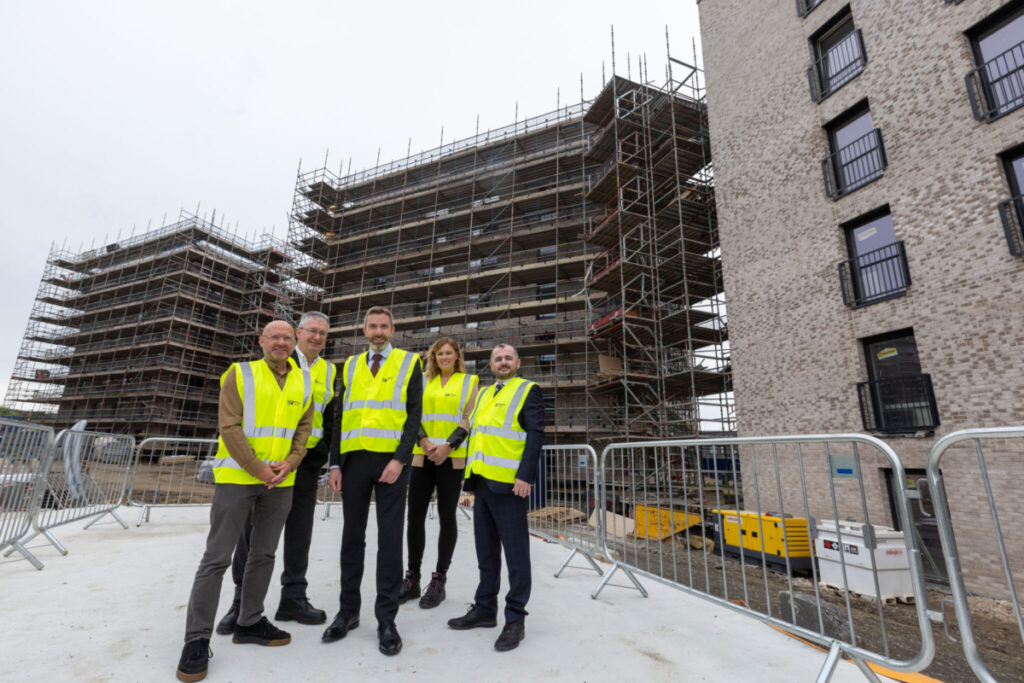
113	609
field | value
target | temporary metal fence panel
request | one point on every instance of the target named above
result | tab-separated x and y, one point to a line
978	500
325	496
88	478
564	503
748	546
172	472
26	452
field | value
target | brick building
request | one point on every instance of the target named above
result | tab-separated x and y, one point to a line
869	166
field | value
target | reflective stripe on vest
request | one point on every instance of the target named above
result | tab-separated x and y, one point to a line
439	426
314	370
497	449
270	442
373	414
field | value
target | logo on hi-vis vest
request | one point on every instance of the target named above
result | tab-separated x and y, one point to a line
294	403
386	379
501	404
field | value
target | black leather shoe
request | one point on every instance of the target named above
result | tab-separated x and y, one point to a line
474	618
513	632
410	587
339	628
261	633
300	611
226	626
193	662
390	641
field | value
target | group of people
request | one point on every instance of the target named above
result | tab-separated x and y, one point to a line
388	430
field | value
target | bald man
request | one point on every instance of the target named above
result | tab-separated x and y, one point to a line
265	417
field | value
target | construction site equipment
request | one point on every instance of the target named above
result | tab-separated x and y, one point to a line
133	336
843	551
87	479
172	472
778	541
658	523
669	475
958	508
26	453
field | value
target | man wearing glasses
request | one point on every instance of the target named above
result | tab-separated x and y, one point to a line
298	529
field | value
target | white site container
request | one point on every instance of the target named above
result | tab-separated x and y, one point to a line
891	561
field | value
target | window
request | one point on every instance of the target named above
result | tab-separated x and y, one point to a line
547	316
804	7
547	251
897	398
1012	210
877	267
857	157
996	86
838	54
547	363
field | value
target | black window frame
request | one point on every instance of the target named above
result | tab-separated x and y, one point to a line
820	83
886	403
834	169
1011	210
888	262
979	88
805	7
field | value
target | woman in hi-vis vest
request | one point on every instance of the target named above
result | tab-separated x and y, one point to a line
439	462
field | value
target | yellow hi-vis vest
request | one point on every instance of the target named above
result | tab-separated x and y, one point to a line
496	441
270	415
443	407
374	407
322	373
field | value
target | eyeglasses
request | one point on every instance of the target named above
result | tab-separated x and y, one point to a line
314	333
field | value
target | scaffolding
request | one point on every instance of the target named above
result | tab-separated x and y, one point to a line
133	336
585	237
654	291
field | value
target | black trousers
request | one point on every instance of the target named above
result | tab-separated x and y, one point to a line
499	522
360	478
298	532
422	482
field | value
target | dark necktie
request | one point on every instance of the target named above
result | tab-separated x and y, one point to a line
497	388
375	366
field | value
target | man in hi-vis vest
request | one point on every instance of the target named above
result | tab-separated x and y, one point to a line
298	528
265	417
505	443
382	402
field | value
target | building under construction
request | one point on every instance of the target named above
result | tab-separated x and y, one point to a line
585	237
133	336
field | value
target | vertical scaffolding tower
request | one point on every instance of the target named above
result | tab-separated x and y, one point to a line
657	315
133	336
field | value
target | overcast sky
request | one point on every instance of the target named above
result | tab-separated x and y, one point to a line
117	114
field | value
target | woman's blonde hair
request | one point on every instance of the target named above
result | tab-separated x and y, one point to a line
432	370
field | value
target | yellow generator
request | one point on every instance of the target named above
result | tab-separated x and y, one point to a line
768	537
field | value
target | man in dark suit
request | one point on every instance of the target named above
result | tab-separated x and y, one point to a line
378	422
298	529
506	439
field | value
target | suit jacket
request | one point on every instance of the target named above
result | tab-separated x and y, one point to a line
413	414
531	419
316	457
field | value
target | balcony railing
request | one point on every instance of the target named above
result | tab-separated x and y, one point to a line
997	86
838	66
1012	213
898	405
854	165
804	7
875	276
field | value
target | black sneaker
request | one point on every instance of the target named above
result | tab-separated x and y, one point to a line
434	594
261	633
410	587
194	658
226	626
474	618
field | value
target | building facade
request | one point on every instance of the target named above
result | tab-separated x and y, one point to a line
869	164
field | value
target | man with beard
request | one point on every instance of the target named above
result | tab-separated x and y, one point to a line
506	439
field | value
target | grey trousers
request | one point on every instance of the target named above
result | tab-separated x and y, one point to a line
231	505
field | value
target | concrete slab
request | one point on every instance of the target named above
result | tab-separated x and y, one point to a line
114	610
